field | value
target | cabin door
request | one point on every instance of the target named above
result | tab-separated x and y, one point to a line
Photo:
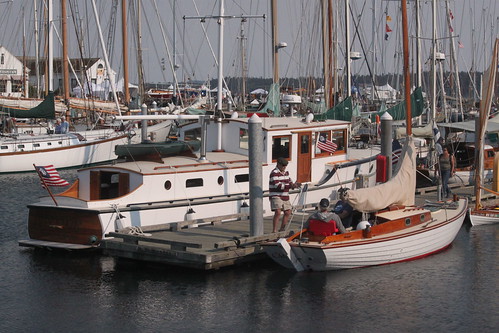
304	157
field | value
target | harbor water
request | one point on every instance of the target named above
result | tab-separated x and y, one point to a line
42	291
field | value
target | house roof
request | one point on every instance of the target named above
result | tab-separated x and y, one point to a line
77	63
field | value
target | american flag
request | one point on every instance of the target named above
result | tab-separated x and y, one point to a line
326	145
396	151
50	176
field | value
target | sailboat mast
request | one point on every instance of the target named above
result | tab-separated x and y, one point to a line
139	54
65	52
407	77
347	53
50	43
275	61
124	37
37	51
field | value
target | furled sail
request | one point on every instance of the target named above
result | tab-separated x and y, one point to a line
399	190
46	109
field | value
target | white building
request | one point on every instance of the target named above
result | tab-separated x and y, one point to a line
11	74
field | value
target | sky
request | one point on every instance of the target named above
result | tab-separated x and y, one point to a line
475	25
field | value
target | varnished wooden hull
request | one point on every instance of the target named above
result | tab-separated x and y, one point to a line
64	225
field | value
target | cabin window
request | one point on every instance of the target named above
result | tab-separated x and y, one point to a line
422	217
36	145
193	134
20	146
168	185
3	86
108	185
5	147
243	138
407	221
281	147
220	180
490	153
194	182
243	178
49	143
327	148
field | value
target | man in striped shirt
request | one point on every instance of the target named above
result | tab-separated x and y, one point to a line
279	185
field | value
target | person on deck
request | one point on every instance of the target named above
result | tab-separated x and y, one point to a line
447	169
64	126
57	129
279	185
323	215
345	212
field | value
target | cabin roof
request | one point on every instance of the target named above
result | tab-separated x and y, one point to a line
282	123
181	164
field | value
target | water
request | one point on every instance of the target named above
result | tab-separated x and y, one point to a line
41	291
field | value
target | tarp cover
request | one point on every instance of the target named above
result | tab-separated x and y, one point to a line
46	109
398	190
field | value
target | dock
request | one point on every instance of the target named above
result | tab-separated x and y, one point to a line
213	243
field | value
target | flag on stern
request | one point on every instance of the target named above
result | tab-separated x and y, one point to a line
49	176
326	145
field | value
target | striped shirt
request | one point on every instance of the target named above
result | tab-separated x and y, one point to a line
279	184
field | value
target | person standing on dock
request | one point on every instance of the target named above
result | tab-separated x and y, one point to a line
279	185
447	169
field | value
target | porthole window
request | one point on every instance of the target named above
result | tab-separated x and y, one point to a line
407	221
220	180
194	182
168	185
422	217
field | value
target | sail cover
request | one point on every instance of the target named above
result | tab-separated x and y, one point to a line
399	190
46	109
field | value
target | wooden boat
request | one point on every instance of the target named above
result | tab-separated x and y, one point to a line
490	214
213	182
399	230
398	233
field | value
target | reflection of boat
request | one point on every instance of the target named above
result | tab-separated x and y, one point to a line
214	182
489	214
399	231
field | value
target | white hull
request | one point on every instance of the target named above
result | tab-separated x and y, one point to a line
409	244
63	151
484	216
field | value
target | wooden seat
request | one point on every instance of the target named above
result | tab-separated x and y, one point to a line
321	228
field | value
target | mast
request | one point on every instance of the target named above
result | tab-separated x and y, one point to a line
25	86
418	46
275	59
140	68
65	68
50	43
434	61
481	123
124	38
347	53
454	62
407	77
325	53
37	51
244	69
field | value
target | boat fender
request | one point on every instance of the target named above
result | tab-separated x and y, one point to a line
362	225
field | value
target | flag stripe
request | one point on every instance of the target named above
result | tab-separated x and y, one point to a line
326	145
50	176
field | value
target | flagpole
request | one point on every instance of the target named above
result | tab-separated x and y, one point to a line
45	185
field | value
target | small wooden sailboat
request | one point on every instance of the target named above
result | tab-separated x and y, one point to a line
399	231
488	214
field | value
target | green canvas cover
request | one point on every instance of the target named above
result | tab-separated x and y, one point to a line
398	111
273	101
341	111
46	109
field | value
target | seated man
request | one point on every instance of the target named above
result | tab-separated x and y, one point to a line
344	211
325	216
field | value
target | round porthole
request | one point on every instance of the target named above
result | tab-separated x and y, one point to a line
422	217
407	221
220	180
168	185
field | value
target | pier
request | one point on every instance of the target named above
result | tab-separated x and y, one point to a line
217	242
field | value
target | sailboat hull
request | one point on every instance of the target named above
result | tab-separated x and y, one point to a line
362	249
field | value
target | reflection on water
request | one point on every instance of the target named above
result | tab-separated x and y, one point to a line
41	291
